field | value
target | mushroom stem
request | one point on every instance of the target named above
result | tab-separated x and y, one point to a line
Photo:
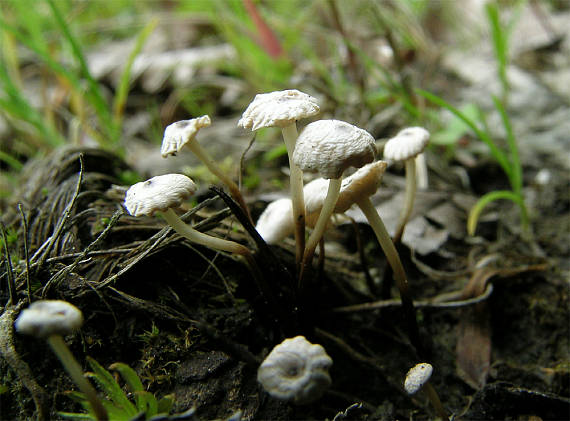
397	268
320	226
209	162
434	399
73	368
411	188
196	236
296	187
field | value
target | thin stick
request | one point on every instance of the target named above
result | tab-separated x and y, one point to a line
26	252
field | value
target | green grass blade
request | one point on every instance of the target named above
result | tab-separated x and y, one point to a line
495	151
147	403
500	46
476	210
165	404
513	148
111	387
129	375
124	84
75	416
96	98
11	161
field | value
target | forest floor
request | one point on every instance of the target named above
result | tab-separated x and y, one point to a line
493	309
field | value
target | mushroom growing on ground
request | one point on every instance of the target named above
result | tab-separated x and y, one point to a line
282	109
417	379
183	133
329	147
51	320
296	370
405	146
166	192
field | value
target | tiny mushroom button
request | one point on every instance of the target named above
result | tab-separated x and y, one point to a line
405	146
183	133
51	320
296	370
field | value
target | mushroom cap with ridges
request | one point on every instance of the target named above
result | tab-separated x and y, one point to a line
278	109
296	370
49	317
328	147
407	144
417	377
178	134
158	194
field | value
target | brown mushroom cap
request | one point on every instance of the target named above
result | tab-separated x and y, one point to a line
407	144
329	147
278	109
178	134
158	194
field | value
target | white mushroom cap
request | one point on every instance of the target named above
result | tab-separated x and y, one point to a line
279	108
417	377
158	194
49	317
329	147
178	134
295	370
276	221
406	144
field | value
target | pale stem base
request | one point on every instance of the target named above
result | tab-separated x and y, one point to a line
296	187
409	200
196	236
326	211
74	370
436	403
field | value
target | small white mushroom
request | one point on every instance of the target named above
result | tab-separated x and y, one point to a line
49	317
296	370
328	147
283	109
276	221
166	192
417	376
183	133
50	320
405	146
418	379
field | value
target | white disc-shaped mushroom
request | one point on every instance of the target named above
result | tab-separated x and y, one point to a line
183	133
417	379
296	370
329	147
165	193
405	146
276	222
51	320
283	109
49	317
